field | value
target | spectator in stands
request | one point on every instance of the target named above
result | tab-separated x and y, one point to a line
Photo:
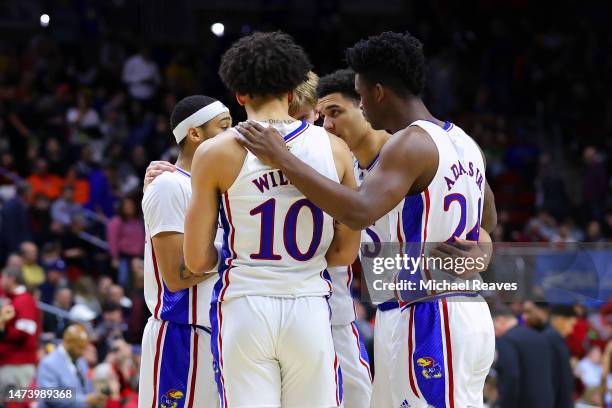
15	226
55	323
55	157
19	345
524	364
40	220
139	313
110	328
66	368
593	232
55	269
594	183
590	372
7	313
33	273
562	321
141	75
65	208
83	119
536	315
125	236
44	182
85	294
79	184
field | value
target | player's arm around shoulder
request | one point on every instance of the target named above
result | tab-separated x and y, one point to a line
345	245
163	205
216	164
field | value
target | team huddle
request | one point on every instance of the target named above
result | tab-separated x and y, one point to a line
251	234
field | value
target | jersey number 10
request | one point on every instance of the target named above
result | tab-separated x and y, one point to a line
267	210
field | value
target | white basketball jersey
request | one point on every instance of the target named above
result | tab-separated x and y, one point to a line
341	301
164	205
451	206
275	240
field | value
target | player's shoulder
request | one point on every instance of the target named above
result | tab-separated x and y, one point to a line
168	185
222	148
412	141
338	146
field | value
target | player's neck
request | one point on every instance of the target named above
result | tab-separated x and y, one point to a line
368	149
184	160
403	112
272	109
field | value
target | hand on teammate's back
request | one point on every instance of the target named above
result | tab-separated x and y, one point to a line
155	169
462	248
265	143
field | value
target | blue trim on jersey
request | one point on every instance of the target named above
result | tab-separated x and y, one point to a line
183	172
373	163
204	328
362	349
296	131
428	341
412	227
174	368
175	306
388	305
214	345
447	125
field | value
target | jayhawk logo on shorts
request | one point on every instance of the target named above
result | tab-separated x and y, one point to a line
431	369
169	399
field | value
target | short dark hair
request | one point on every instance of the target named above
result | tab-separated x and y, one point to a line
341	81
264	64
110	307
391	59
563	310
188	106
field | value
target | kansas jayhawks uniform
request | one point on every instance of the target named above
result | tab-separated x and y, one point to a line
177	366
352	354
446	340
270	316
387	313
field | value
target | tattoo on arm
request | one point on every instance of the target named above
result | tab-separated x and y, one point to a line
184	273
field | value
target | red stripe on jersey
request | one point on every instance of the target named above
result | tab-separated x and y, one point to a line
361	360
449	354
158	280
194	304
156	362
194	368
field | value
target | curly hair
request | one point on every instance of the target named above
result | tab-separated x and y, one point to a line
264	64
391	59
341	81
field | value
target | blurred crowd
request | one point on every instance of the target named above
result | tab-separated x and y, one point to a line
79	125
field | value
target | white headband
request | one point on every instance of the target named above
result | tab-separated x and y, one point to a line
198	118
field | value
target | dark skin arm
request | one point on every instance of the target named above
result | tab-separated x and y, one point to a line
408	162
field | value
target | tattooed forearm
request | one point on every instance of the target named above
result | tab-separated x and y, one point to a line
184	273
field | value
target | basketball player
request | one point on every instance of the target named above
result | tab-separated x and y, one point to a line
339	106
352	354
271	332
304	103
435	172
176	359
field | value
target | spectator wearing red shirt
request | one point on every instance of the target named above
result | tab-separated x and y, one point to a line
19	343
125	236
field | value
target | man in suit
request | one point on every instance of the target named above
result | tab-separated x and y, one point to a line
562	321
65	368
524	365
